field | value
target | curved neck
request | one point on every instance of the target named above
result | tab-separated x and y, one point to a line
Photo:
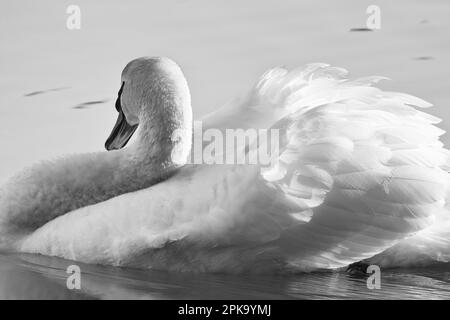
162	146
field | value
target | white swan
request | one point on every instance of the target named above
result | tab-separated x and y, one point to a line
361	171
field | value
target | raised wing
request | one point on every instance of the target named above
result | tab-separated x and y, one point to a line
360	167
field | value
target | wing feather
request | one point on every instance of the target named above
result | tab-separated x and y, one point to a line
364	165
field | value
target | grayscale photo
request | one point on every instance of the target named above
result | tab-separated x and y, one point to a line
224	155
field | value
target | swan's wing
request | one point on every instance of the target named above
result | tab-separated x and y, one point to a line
359	168
423	248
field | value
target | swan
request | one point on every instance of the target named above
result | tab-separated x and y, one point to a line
360	175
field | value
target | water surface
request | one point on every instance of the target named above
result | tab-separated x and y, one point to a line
27	276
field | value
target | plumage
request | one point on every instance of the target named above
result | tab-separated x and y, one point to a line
361	174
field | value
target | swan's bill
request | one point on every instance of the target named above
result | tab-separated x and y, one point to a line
122	130
121	134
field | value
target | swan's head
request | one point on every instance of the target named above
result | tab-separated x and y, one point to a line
154	95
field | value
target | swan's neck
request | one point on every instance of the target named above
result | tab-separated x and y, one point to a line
162	103
162	146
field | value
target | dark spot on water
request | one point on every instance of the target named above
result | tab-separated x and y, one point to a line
35	93
424	21
424	58
87	104
360	29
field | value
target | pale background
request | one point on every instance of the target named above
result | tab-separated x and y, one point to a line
222	46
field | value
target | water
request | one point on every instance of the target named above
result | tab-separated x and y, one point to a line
37	277
223	48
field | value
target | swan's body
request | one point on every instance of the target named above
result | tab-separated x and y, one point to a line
361	171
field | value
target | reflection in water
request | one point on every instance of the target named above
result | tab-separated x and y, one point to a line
32	277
